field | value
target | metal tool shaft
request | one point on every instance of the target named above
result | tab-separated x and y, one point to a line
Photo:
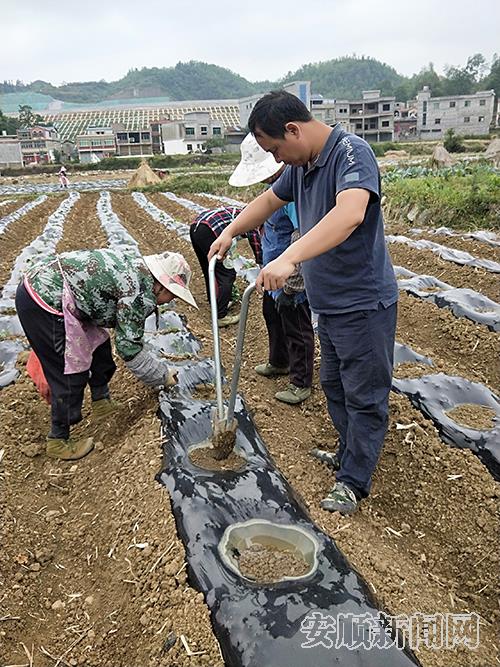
215	332
245	302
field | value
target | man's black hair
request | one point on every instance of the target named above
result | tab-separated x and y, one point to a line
273	111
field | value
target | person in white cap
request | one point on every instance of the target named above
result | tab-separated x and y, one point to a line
286	310
65	304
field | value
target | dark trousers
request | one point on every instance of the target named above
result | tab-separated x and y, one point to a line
291	339
357	352
46	335
202	238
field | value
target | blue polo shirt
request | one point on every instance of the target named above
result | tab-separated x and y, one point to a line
358	273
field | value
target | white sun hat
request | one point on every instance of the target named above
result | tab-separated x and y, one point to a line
173	272
255	165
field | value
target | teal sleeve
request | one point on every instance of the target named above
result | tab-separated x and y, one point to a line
291	212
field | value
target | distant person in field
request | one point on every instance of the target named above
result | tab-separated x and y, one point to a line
65	304
286	310
334	180
63	177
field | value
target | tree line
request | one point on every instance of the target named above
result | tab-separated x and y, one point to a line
341	78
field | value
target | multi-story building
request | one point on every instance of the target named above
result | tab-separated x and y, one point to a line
324	110
190	134
465	114
133	143
371	117
11	156
405	121
97	143
38	144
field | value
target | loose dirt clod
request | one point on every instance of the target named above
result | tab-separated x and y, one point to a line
472	415
267	564
223	444
205	457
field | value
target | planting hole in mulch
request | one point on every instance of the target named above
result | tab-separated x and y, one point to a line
268	564
474	416
204	457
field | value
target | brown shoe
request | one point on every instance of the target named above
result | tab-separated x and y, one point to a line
70	449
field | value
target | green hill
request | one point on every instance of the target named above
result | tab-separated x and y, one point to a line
345	78
342	78
186	81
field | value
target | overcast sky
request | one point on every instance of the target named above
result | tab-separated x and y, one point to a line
88	40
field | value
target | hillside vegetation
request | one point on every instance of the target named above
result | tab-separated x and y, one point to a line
344	77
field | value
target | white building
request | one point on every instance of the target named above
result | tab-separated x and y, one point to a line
95	144
466	114
190	134
11	156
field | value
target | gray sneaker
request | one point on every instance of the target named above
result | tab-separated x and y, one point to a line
293	395
330	458
340	499
228	320
268	370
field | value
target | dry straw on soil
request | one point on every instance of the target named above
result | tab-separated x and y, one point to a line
493	151
441	157
143	177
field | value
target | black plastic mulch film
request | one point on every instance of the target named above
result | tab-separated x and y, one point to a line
9	349
462	302
437	394
259	625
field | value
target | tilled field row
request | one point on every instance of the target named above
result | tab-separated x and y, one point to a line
426	262
21	232
83	229
479	249
8	206
112	568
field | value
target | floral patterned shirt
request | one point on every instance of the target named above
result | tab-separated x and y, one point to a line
112	289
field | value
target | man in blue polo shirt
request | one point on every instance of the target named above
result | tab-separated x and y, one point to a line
333	178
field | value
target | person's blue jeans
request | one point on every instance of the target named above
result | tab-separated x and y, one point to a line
357	351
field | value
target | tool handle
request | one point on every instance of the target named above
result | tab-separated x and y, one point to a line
245	302
215	332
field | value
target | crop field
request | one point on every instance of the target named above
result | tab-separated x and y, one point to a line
92	569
